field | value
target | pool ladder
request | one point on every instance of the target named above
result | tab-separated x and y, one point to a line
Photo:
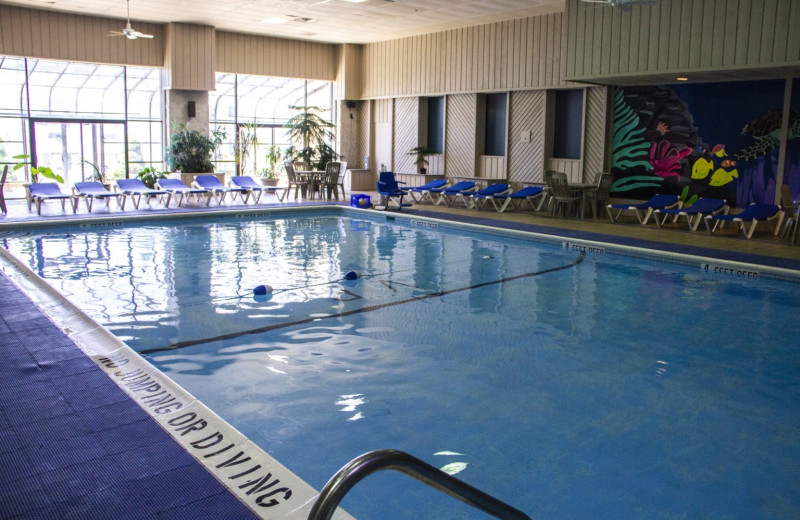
364	465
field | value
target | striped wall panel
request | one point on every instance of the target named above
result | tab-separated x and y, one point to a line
515	54
460	135
526	119
594	138
36	33
572	167
364	133
190	57
492	167
406	122
680	36
265	56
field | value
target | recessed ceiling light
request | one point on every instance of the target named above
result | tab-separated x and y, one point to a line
276	19
682	78
355	1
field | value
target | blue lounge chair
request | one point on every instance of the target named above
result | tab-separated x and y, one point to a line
255	189
212	184
89	191
42	191
448	195
753	214
136	189
694	213
176	187
424	191
478	199
644	210
389	190
516	199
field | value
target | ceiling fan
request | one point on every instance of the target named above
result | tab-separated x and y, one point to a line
128	31
622	4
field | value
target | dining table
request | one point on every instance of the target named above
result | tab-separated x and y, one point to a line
582	190
314	178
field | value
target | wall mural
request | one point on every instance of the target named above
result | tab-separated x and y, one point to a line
703	140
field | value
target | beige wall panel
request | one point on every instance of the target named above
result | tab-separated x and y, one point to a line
679	36
460	135
492	167
526	159
348	77
190	57
572	167
491	57
364	136
594	140
276	57
406	122
43	34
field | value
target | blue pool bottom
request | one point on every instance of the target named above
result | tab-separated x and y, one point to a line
74	445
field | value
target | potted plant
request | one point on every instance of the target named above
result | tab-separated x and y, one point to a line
421	154
191	151
309	134
44	171
271	172
244	147
149	176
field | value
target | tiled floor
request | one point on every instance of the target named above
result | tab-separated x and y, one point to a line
72	445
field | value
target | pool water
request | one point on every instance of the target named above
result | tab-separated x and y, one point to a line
568	385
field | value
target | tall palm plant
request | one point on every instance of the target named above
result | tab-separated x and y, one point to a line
308	131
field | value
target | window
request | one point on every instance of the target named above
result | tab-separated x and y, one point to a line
495	138
80	119
436	123
260	105
568	124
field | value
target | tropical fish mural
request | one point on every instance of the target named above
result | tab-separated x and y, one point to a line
705	140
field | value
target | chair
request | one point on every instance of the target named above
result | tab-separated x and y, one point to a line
560	194
448	195
425	191
389	190
478	199
212	184
177	188
42	191
136	189
2	185
693	214
256	189
602	193
300	185
789	208
330	181
527	194
342	173
643	210
753	214
89	191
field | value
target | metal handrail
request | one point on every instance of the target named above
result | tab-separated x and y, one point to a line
364	465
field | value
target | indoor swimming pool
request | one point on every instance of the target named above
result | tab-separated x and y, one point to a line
565	379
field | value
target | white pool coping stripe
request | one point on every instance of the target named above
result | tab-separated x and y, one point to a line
263	484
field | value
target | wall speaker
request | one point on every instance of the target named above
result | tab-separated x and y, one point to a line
350	104
190	109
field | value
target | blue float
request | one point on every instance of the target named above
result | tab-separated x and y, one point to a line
261	290
351	275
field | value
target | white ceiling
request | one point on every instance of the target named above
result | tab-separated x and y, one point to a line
334	21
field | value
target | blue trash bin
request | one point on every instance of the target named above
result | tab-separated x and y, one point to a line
359	200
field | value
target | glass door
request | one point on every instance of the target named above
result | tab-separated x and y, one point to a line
81	151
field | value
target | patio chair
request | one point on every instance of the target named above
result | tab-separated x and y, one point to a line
448	195
212	184
136	189
693	214
3	185
644	210
478	199
426	190
389	190
89	191
299	184
176	188
602	193
256	189
560	194
752	214
516	199
42	191
340	181
329	186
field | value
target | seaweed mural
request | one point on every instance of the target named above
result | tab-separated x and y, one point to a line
665	160
629	148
